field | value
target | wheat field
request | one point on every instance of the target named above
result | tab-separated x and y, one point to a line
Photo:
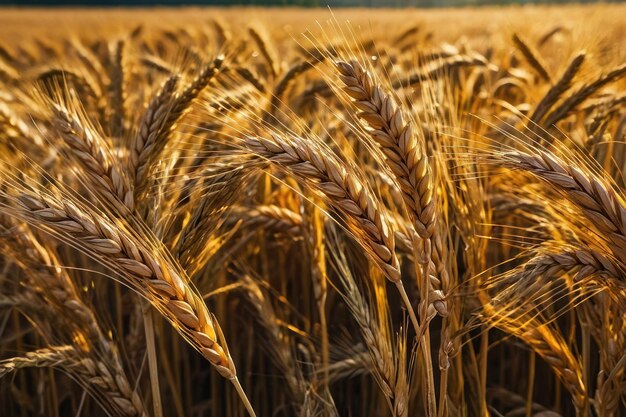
264	212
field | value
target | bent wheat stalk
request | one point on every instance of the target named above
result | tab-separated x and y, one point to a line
341	186
406	158
273	218
409	163
146	270
52	285
598	200
585	266
88	372
345	193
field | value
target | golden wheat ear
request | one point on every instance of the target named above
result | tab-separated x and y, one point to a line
147	270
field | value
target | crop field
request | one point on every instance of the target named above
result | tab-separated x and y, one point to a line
284	212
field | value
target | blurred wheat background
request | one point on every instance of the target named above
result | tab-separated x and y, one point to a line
231	212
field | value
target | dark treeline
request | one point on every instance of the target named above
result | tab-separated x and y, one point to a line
299	3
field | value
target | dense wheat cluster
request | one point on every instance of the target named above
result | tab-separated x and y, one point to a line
230	216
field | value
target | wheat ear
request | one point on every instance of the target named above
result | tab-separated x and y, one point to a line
341	186
437	69
152	128
532	57
165	286
406	158
92	152
264	48
161	117
599	201
557	90
269	217
582	94
89	372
